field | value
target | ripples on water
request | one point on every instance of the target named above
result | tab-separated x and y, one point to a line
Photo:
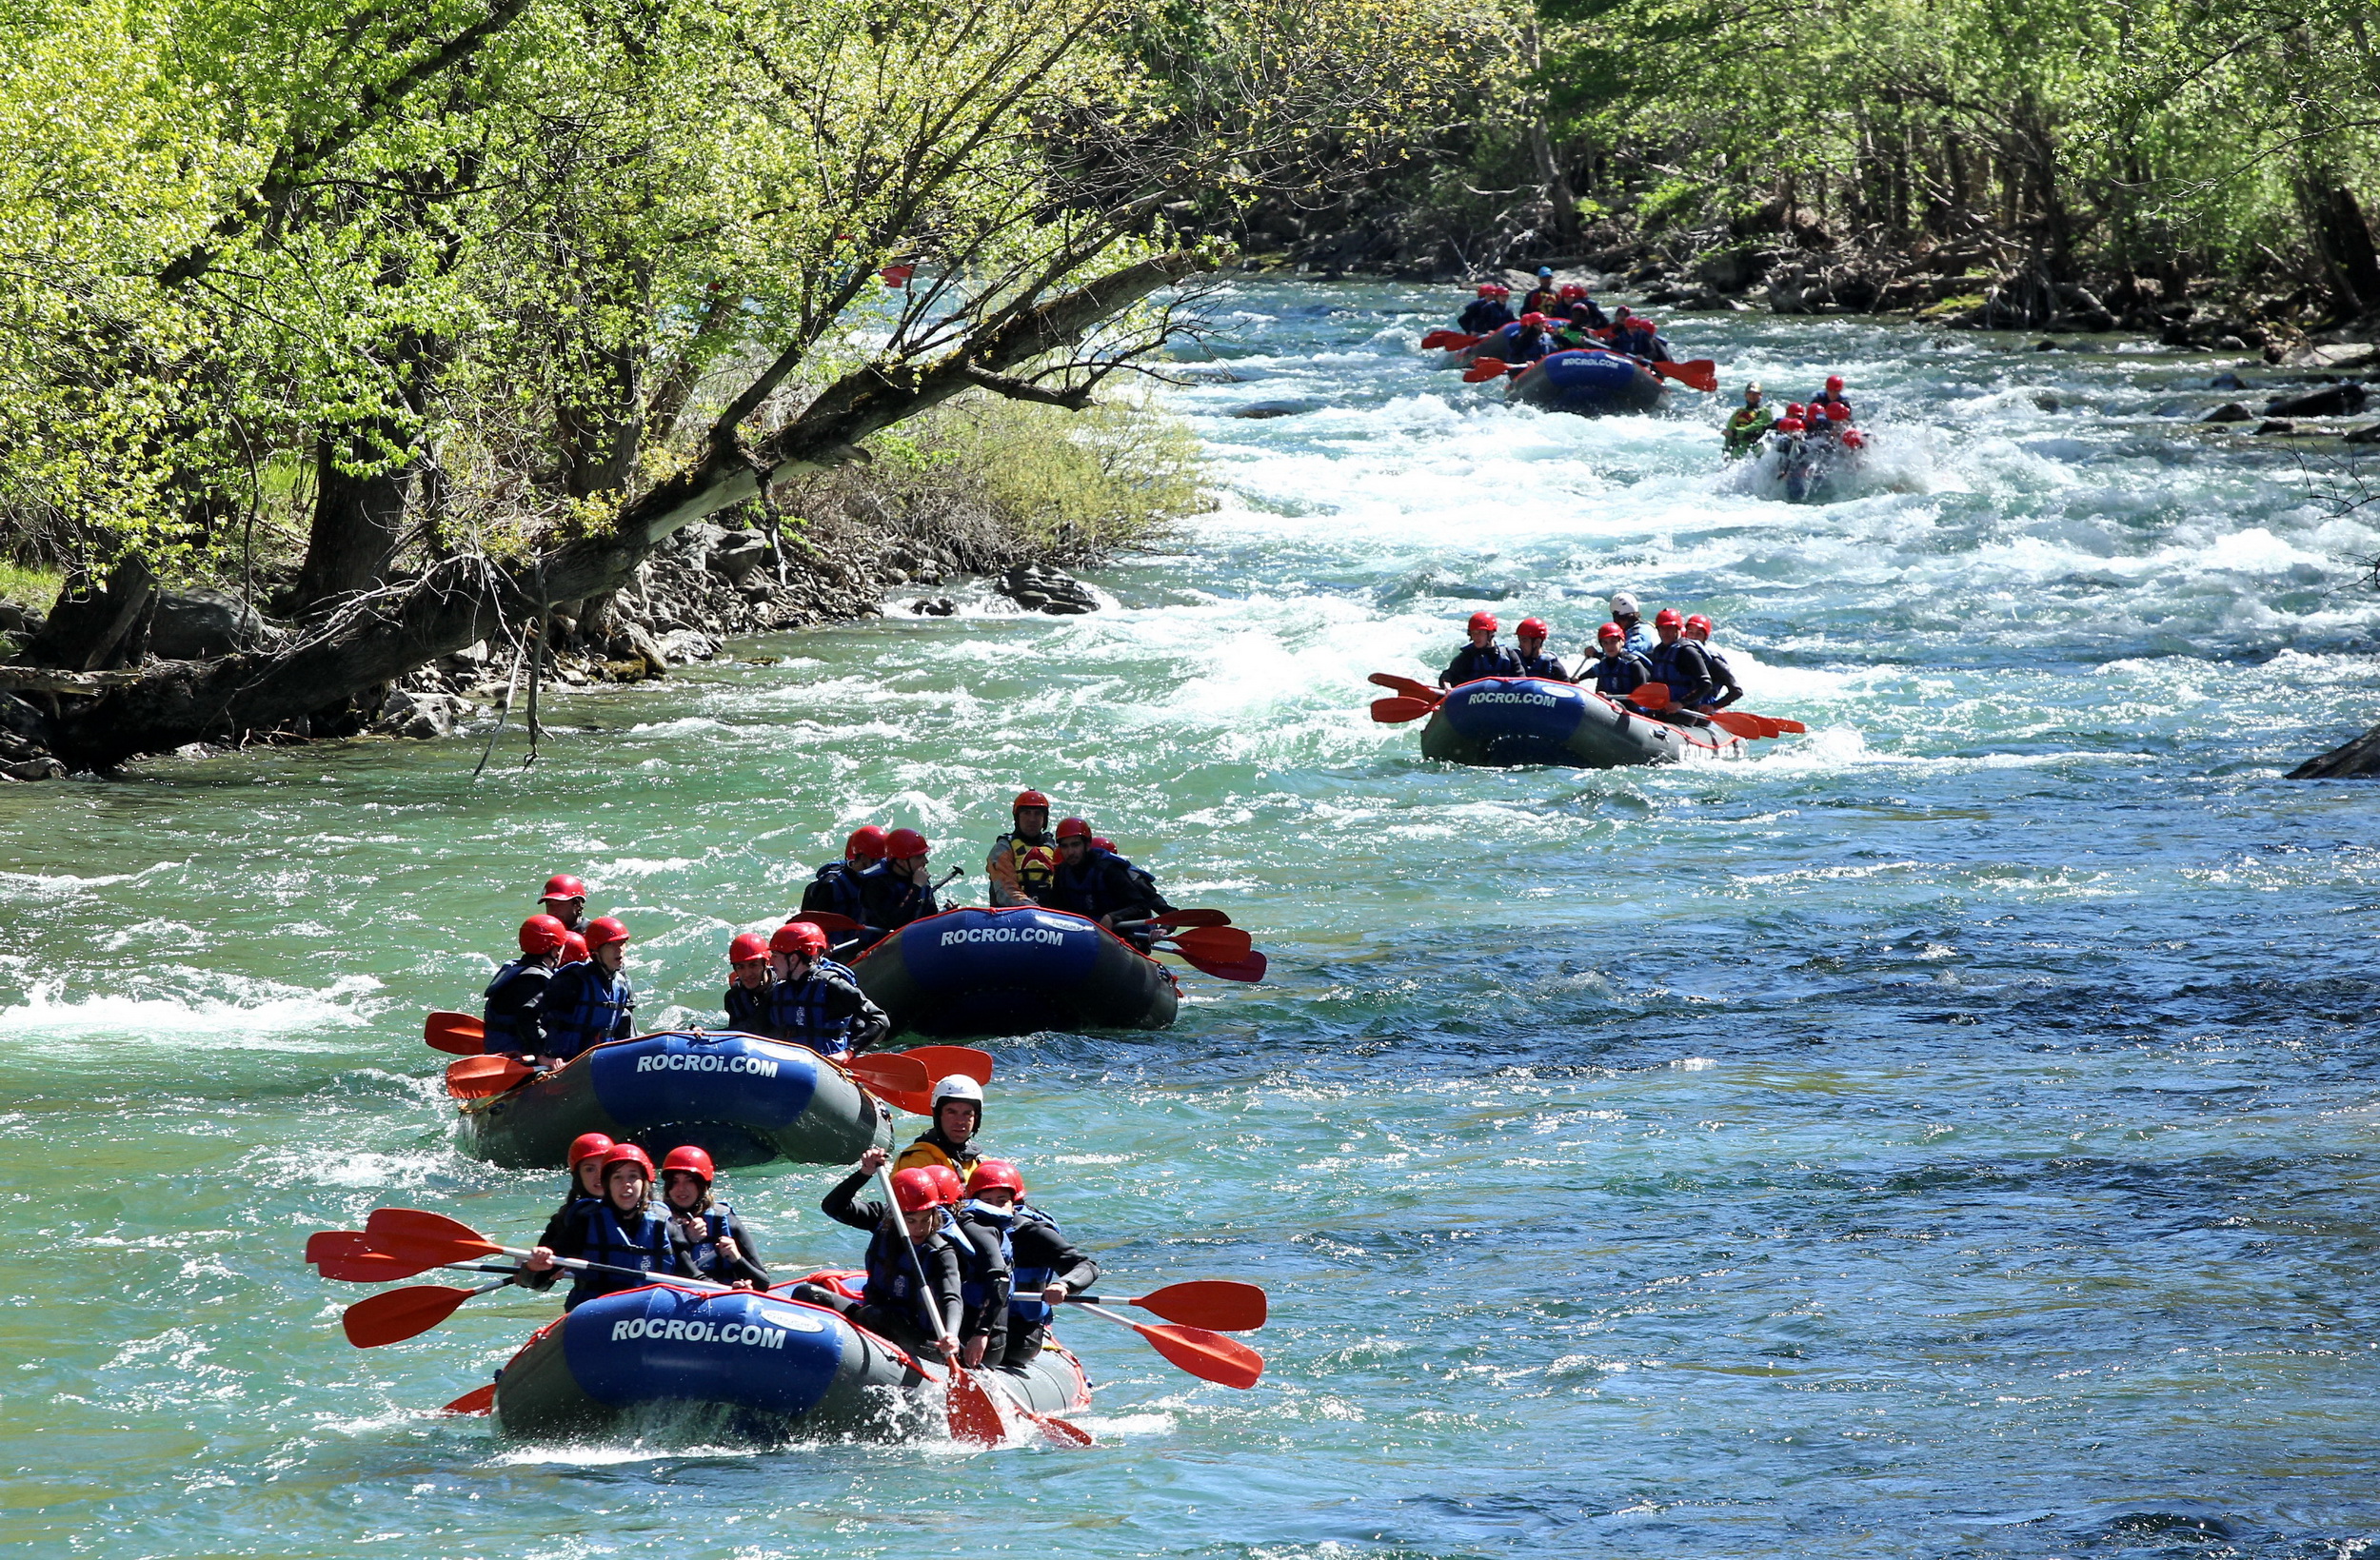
1947	1133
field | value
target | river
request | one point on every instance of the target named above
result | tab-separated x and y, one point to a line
1950	1132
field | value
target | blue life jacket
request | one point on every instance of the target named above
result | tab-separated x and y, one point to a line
704	1252
1481	315
975	1276
1640	639
1035	1312
1622	675
510	1016
837	888
1544	666
1681	664
597	1008
1103	883
797	1010
641	1244
1473	662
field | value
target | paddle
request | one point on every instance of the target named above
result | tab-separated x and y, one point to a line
1483	369
394	1316
349	1256
1396	712
1250	968
1701	374
1218	1303
1405	685
1189	917
941	1061
478	1400
888	1076
1449	340
975	1417
1745	724
435	1241
1210	1356
1651	695
457	1034
479	1077
1217	944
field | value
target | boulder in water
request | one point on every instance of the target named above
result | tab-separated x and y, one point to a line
2276	424
1045	589
2227	381
2331	401
935	606
421	716
1258	411
2368	434
2231	411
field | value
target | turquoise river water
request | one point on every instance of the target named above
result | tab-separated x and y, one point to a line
1950	1132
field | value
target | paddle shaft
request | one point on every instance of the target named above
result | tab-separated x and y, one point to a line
580	1264
917	1262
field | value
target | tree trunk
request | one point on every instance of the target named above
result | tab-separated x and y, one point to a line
2358	759
2336	221
357	519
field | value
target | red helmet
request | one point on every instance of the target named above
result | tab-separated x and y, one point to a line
1610	631
1838	412
1489	289
747	947
1668	617
945	1182
543	935
690	1158
1530	629
603	931
1484	619
903	843
1533	320
915	1191
1570	289
563	886
1795	408
1638	322
589	1145
1698	624
798	936
1073	828
1099	844
991	1173
573	948
1834	383
627	1153
1789	424
1501	290
868	842
1029	799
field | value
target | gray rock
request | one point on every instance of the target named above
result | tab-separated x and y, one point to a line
2331	401
19	619
420	716
943	606
641	645
2368	434
2337	355
686	646
203	623
1259	410
737	555
2227	381
39	768
2231	411
2044	400
1730	270
1045	589
2230	344
2276	424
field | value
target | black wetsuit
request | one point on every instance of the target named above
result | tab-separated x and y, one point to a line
1685	668
1544	666
1722	679
1620	675
1473	662
1039	1255
894	1304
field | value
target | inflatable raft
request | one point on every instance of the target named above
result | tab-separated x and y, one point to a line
977	972
1588	381
738	1366
1810	470
742	1099
1507	721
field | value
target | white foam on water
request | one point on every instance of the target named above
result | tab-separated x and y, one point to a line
263	1015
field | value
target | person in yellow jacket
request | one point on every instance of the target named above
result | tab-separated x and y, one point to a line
1025	861
957	1102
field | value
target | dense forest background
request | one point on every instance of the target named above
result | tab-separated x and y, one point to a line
412	323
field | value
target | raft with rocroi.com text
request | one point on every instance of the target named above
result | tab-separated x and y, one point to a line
742	1099
1587	381
1508	720
737	1365
977	972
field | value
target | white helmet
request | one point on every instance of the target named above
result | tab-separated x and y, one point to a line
1623	605
958	1086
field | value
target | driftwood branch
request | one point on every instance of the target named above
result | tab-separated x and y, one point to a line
1017	389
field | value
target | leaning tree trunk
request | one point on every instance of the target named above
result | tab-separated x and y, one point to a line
357	519
457	600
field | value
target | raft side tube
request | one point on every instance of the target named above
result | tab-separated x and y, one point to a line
1505	721
978	973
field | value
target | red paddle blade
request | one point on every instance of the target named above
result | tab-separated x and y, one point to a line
428	1238
1748	726
1794	727
478	1400
941	1061
1250	969
457	1034
1701	374
1405	685
825	921
1186	917
1219	1303
1396	712
349	1256
1221	945
1210	1356
394	1316
323	1243
1449	340
1483	369
891	1074
477	1077
1062	1432
1652	696
975	1416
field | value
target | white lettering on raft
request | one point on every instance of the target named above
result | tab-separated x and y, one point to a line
1003	934
709	1061
751	1335
1512	699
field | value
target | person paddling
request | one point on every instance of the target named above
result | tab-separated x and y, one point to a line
587	1181
1722	676
1830	398
840	888
903	889
589	1002
1746	424
620	1230
893	1302
716	1244
1530	637
508	1016
1044	1267
814	1001
1482	657
1543	297
1099	884
957	1106
1025	859
1489	311
1680	663
1615	670
564	899
1629	616
747	984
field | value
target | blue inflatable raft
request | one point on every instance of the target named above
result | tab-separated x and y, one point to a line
978	972
1587	380
742	1099
1510	720
737	1366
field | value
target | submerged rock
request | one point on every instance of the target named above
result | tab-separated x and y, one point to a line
2331	401
2368	434
2276	424
2231	411
935	606
1046	589
1258	411
420	716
